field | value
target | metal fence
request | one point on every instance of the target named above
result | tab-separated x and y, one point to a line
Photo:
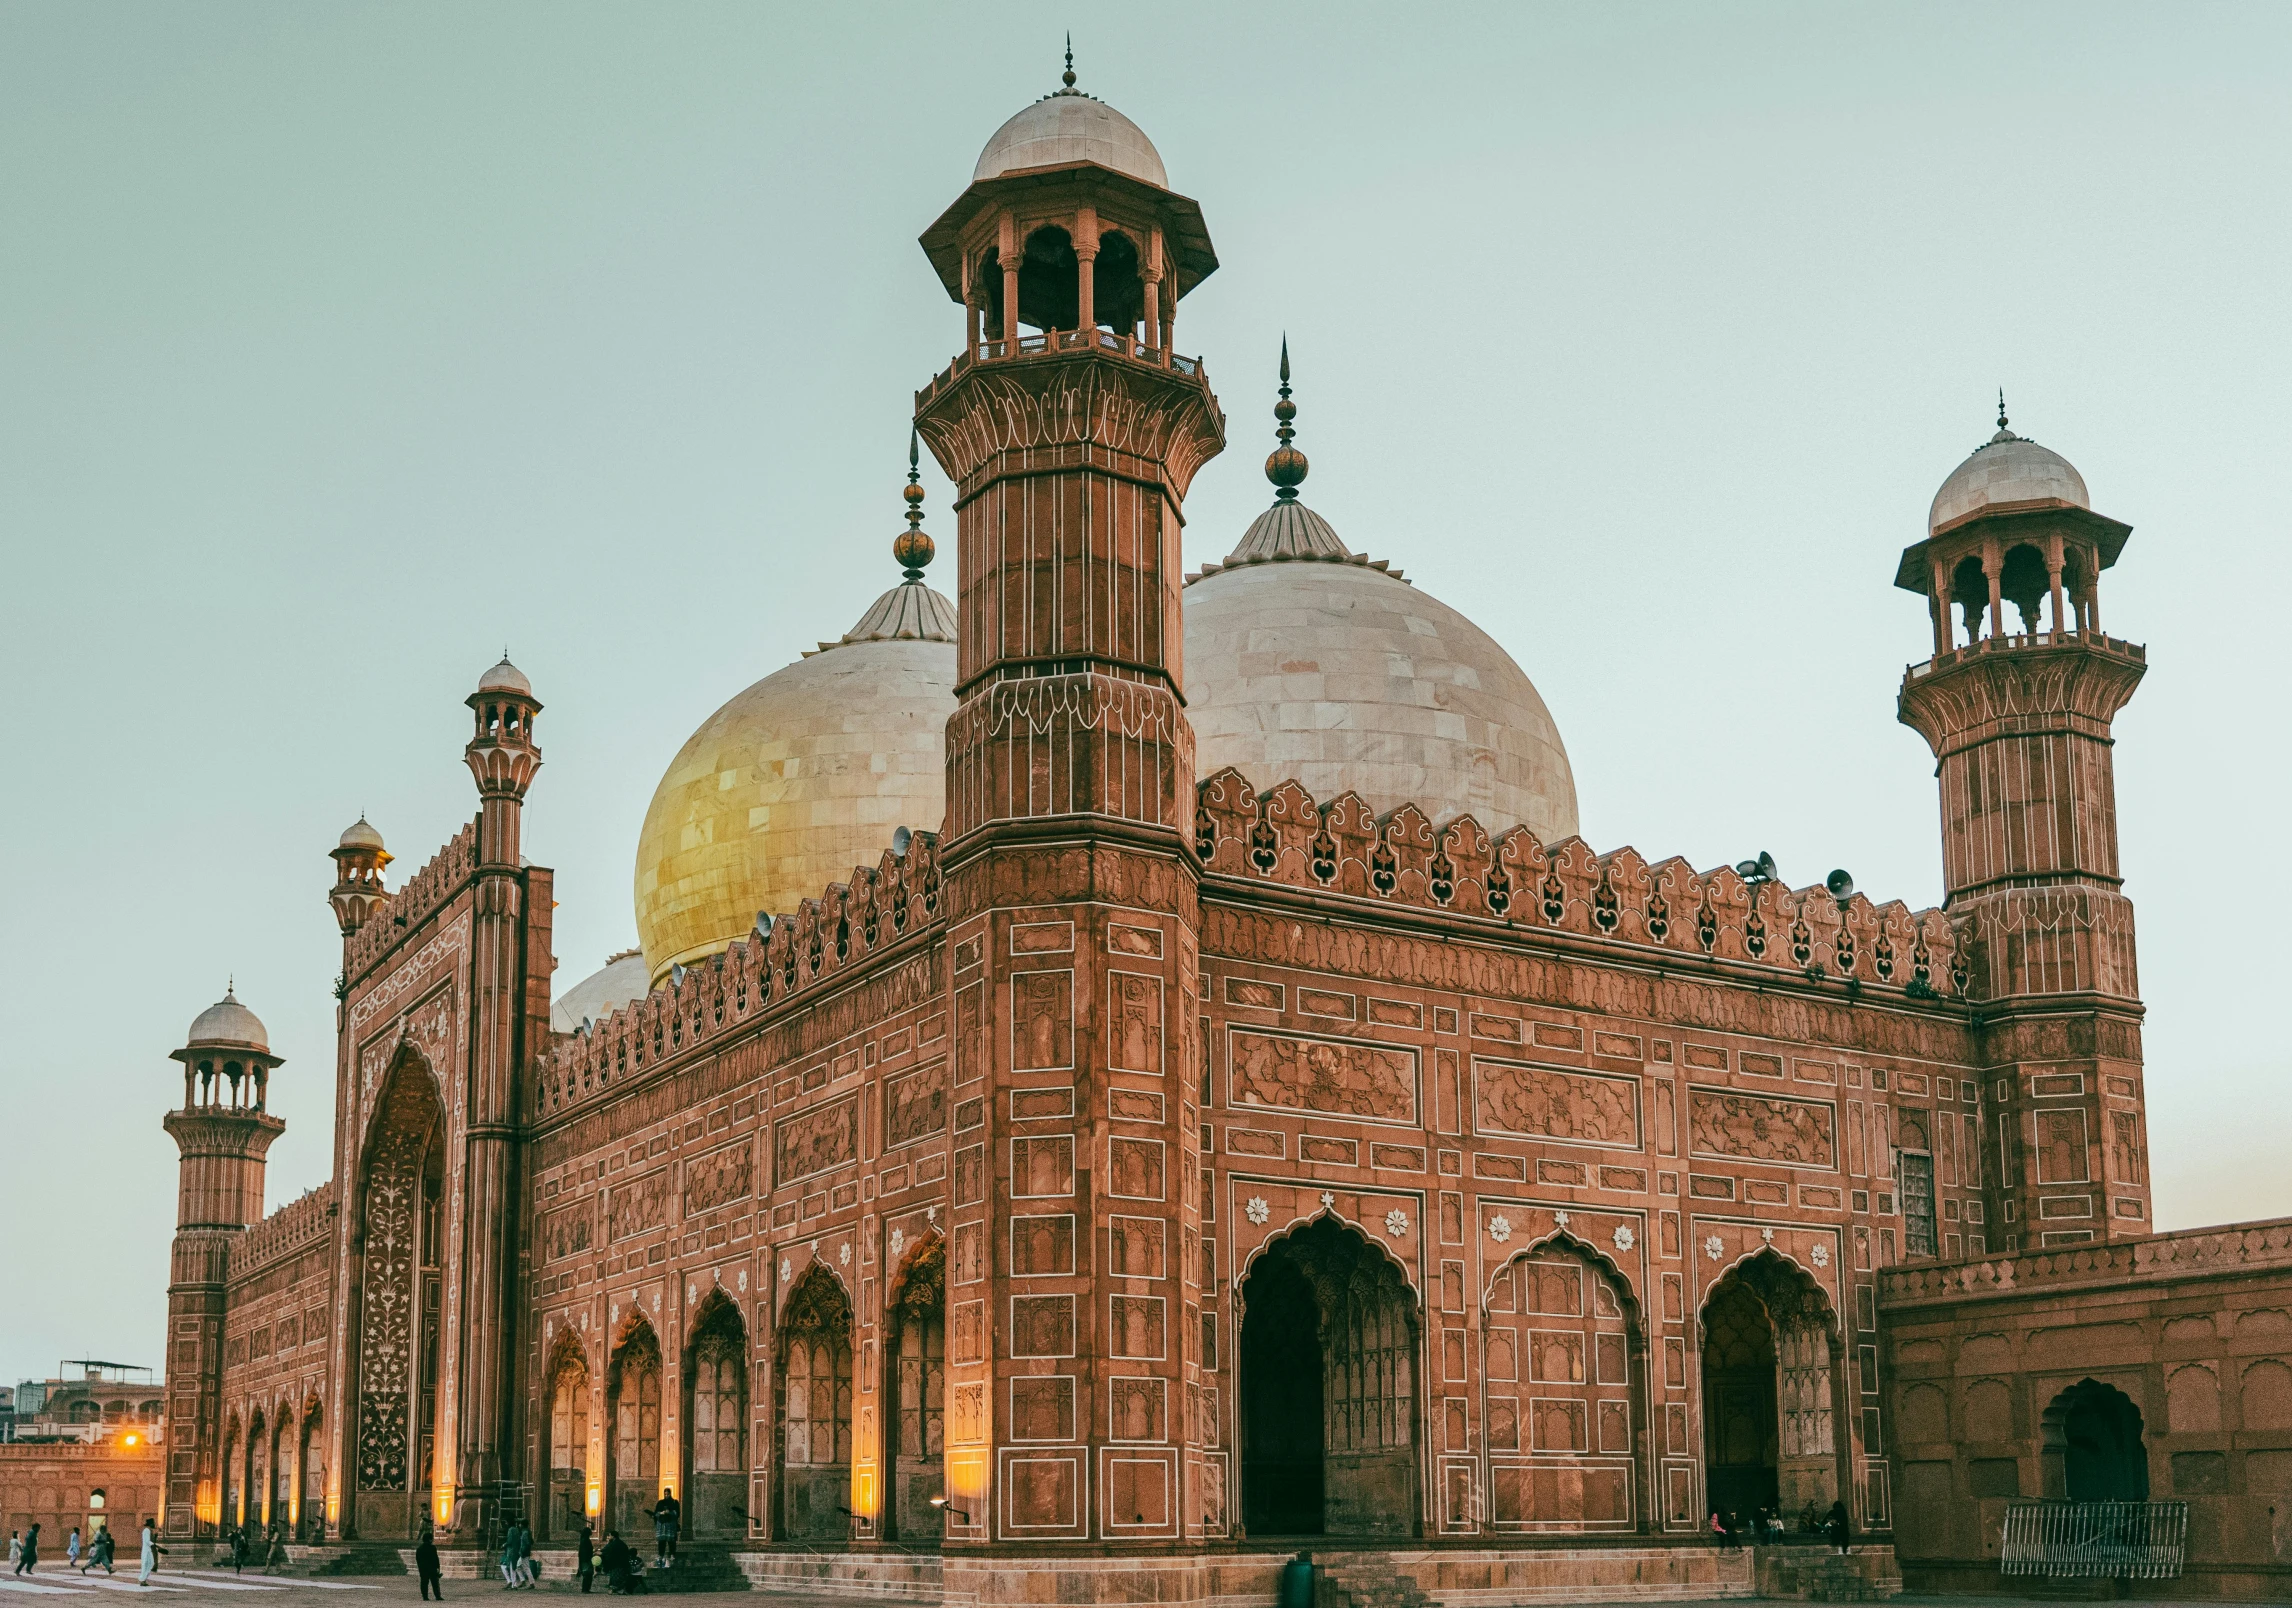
2096	1540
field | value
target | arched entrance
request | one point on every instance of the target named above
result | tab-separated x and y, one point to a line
234	1478
399	1242
716	1503
568	1454
281	1499
2091	1440
1770	1435
916	1344
1328	1387
258	1476
633	1384
1563	1360
310	1513
815	1419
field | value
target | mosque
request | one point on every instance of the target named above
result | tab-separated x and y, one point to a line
1127	1068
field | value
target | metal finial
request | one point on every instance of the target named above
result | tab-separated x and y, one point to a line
2001	407
911	546
1068	78
1286	467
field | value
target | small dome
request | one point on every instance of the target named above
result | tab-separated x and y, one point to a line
1070	126
227	1024
2006	472
359	835
620	981
799	780
505	677
1347	678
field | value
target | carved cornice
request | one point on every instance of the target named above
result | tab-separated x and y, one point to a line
2017	686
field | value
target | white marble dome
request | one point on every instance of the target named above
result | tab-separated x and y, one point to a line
1304	661
228	1025
2005	471
1070	126
620	981
798	780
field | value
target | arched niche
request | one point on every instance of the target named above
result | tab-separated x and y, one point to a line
633	1414
1564	1375
814	1424
310	1511
2091	1447
915	1382
716	1417
399	1240
1771	1430
567	1454
1330	1353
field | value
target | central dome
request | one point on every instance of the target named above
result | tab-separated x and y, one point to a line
1070	126
798	780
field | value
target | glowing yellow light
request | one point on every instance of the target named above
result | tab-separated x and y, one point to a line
131	1440
596	1499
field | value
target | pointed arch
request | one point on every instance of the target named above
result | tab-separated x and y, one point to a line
310	1504
915	1378
1565	1391
234	1486
566	1457
813	1426
258	1471
398	1269
633	1423
1772	1360
1330	1362
716	1419
2092	1445
1329	1214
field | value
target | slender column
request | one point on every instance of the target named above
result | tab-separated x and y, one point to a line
1993	569
1011	298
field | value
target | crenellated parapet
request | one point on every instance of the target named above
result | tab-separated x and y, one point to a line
423	895
1282	836
294	1227
833	937
2238	1250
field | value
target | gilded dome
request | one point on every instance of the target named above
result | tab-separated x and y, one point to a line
798	780
228	1025
1069	126
2005	472
1306	661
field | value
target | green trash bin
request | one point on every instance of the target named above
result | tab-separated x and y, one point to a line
1296	1583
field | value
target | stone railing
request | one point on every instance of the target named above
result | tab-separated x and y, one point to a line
828	937
1402	858
1053	343
2194	1253
415	902
2018	642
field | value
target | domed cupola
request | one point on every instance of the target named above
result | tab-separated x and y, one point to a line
1307	660
1069	126
805	775
2005	474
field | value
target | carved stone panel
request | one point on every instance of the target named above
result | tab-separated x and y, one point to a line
718	1178
1042	1021
1339	1077
1796	1133
1542	1102
915	1106
568	1231
1134	1022
816	1140
639	1204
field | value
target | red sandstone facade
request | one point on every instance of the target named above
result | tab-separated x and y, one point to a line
1144	1161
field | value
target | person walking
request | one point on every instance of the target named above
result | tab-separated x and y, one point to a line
72	1549
509	1557
616	1558
239	1549
1836	1525
150	1558
15	1548
426	1565
527	1570
29	1558
587	1556
99	1550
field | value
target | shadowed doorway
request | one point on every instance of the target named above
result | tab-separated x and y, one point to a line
2091	1436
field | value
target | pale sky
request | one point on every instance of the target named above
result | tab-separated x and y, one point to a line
341	345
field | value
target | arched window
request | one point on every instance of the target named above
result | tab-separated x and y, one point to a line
1117	293
816	1413
568	1441
1050	286
636	1419
719	1419
918	1344
2023	583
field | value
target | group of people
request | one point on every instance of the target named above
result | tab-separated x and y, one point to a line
624	1570
24	1551
1767	1526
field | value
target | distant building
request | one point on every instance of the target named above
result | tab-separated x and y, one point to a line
101	1401
82	1452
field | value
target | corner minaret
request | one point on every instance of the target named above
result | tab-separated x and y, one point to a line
2019	721
503	756
222	1131
1071	429
360	860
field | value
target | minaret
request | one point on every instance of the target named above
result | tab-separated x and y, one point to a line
509	986
1070	809
223	1131
2019	721
360	861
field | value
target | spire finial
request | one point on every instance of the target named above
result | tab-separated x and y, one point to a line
230	985
1068	77
2003	433
1286	467
911	546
